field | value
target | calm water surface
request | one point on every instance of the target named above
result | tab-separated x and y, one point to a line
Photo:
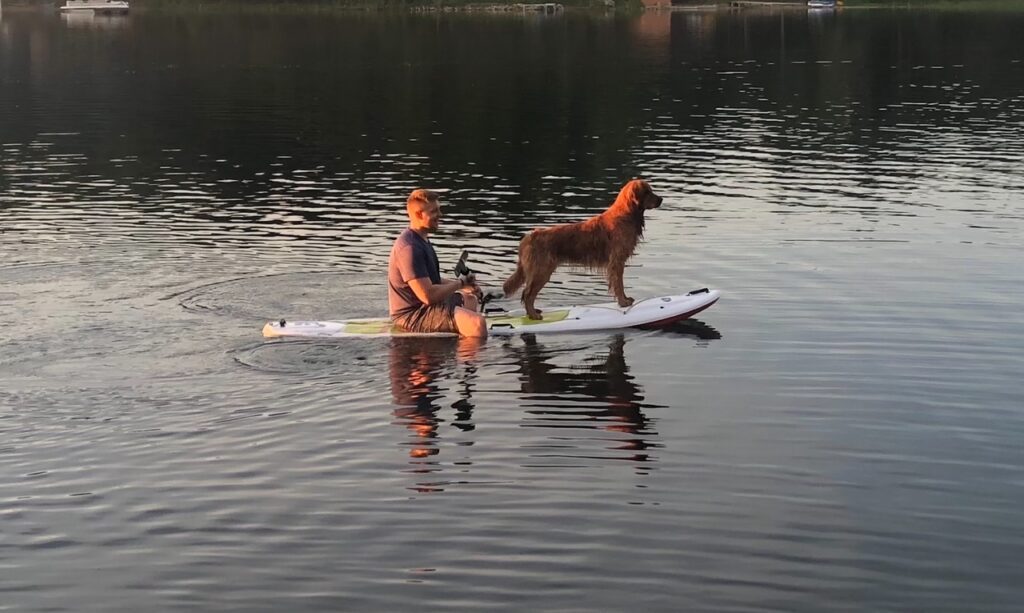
841	432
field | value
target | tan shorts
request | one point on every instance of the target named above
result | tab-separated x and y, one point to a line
438	317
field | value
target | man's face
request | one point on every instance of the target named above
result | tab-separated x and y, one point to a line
427	215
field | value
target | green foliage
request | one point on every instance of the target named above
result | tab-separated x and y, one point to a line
973	5
327	4
630	6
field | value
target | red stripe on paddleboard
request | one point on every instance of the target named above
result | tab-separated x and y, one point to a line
675	318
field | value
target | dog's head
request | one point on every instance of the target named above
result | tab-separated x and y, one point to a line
639	195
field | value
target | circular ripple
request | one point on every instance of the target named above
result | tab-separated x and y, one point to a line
355	359
303	295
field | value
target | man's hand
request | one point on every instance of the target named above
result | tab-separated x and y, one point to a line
469	285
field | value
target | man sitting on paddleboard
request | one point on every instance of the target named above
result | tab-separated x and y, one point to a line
418	298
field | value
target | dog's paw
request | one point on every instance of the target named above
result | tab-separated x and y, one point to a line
535	315
625	302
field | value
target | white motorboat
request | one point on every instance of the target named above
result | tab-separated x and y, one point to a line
96	6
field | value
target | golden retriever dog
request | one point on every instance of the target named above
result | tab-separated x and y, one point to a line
603	242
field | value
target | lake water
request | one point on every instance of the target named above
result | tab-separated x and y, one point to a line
842	431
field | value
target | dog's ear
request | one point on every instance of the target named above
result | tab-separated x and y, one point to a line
633	193
642	196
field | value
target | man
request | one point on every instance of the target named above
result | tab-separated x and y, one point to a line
418	298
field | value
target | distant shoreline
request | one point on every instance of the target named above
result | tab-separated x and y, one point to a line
513	7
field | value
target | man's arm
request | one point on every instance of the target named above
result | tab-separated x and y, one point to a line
415	270
432	293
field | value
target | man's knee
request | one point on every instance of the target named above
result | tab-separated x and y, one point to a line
470	323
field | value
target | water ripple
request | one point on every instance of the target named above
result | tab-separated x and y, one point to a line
835	432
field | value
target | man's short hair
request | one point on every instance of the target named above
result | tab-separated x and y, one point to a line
419	197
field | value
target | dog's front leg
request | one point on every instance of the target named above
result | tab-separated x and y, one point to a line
615	285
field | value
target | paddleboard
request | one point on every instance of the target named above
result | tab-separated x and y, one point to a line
647	313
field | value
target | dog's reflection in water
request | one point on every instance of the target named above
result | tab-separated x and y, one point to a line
598	393
595	391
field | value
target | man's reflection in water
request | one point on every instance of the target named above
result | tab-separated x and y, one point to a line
597	392
418	368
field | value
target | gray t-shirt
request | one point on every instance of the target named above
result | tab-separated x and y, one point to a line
412	257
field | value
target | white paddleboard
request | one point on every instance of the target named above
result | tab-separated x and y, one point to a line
650	312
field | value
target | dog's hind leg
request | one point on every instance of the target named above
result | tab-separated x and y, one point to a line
514	282
536	281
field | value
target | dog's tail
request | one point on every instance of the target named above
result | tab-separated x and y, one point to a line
518	278
513	283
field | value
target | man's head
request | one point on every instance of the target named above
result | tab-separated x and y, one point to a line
424	208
